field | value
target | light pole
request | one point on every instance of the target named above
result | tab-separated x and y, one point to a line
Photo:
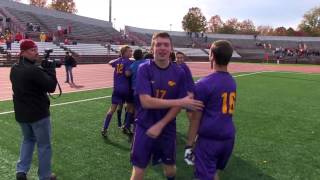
110	9
114	23
170	26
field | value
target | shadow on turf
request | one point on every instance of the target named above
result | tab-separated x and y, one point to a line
237	168
117	145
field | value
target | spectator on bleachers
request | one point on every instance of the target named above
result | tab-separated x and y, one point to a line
37	27
59	28
48	37
9	40
54	38
66	41
2	40
18	37
42	37
193	45
29	26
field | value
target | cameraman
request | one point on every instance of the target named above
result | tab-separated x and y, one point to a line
69	63
30	85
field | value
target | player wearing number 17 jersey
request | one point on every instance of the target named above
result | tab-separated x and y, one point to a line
162	92
214	125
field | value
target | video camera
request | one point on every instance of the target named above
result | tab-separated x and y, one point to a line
50	63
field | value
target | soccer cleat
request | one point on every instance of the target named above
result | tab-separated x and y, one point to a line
21	176
127	131
104	132
189	156
53	177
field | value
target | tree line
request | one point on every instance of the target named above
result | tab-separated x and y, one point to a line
68	6
195	21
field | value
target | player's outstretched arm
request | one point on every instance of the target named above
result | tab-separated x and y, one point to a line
155	130
194	126
192	134
149	102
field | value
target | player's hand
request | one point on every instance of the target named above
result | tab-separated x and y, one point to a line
191	104
188	156
154	131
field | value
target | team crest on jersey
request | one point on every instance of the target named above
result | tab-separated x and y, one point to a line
171	83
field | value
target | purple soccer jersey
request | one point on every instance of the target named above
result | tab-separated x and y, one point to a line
216	132
218	93
120	82
189	79
166	83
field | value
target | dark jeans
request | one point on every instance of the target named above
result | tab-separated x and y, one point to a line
69	73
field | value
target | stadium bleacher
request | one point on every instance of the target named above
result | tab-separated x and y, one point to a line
88	36
57	51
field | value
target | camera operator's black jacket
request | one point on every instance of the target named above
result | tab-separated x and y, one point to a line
30	84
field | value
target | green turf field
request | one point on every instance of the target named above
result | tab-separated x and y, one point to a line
277	119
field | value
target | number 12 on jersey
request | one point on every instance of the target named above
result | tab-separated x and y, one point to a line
228	102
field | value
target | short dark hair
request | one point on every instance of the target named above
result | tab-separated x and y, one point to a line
148	55
222	51
162	35
137	54
179	52
172	56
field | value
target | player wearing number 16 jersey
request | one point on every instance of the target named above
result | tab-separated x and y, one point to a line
214	125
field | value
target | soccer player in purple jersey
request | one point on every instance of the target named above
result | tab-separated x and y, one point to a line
121	89
162	92
213	125
180	57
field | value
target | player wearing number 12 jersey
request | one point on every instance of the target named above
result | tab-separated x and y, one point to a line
214	125
122	92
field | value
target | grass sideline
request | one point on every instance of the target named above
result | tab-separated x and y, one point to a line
277	117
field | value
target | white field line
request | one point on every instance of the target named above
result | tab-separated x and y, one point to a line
102	97
65	103
89	89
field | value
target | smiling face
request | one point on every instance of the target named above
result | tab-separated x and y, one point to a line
126	52
161	47
179	58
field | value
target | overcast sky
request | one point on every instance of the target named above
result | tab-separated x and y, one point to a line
159	14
